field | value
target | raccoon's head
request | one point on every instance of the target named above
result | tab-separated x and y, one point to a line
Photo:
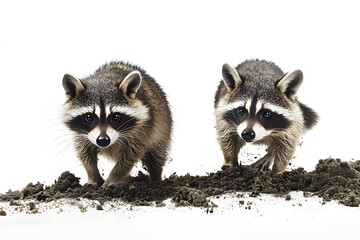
258	111
105	112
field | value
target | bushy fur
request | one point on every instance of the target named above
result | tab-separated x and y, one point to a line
264	87
145	135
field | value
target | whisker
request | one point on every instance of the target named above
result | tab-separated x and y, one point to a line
62	152
233	123
125	123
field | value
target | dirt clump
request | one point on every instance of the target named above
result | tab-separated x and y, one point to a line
65	182
2	212
186	196
337	180
332	179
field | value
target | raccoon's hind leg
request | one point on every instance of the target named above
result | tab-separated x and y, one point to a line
230	146
88	156
263	164
154	160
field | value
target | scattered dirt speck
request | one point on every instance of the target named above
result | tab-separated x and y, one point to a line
31	206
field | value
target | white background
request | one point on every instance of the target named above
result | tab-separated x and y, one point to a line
183	45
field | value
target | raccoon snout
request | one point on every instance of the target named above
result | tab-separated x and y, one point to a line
248	135
103	140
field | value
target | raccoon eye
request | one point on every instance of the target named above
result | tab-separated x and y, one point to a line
115	117
266	114
89	117
241	112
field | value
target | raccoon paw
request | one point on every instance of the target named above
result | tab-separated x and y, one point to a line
97	182
227	166
110	184
230	164
91	186
263	164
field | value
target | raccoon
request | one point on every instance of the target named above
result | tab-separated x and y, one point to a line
257	103
122	113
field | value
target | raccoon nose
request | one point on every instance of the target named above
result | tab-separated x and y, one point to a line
248	135
103	140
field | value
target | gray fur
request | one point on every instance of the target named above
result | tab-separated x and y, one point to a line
265	82
119	84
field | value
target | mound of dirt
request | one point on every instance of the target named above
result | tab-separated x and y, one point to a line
332	179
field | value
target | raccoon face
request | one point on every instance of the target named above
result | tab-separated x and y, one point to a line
102	125
256	118
101	121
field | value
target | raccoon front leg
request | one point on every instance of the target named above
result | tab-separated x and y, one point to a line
282	156
120	171
230	146
155	160
88	155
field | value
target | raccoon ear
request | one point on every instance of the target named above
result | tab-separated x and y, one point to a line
131	84
290	83
73	87
231	77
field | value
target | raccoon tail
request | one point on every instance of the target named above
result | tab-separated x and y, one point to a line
310	116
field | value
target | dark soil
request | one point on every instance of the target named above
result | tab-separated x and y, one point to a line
332	179
2	213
